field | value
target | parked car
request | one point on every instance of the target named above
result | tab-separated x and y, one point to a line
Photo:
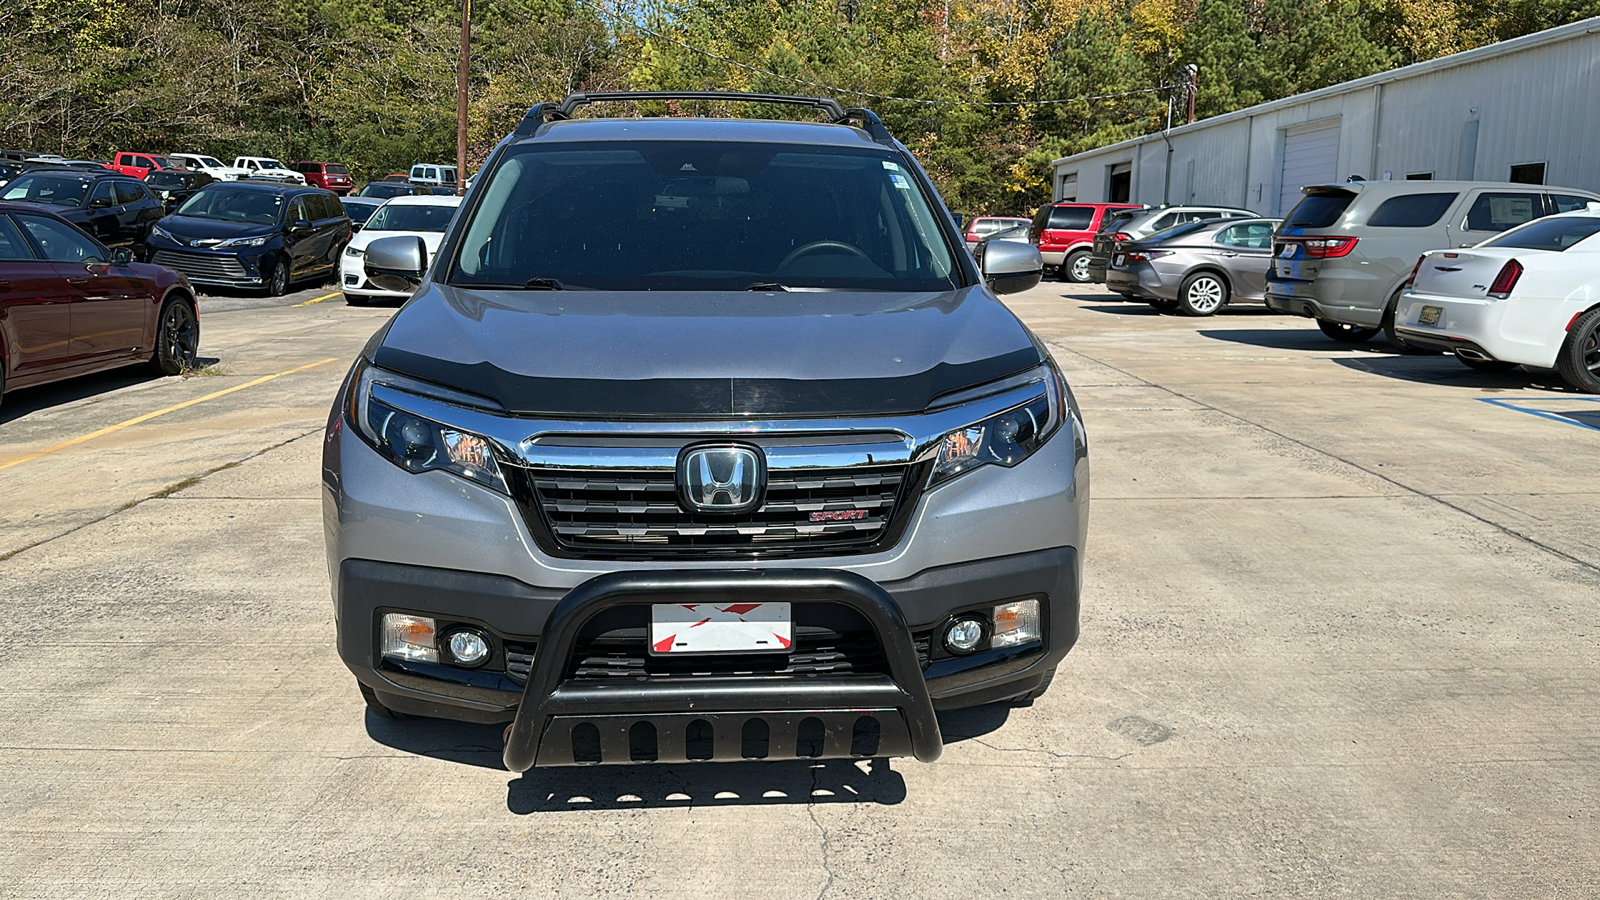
243	235
173	186
1529	297
92	165
70	306
425	217
209	165
1063	233
328	176
433	173
360	209
383	190
1198	267
268	168
396	176
1136	225
115	209
138	165
10	169
979	226
1344	252
18	155
874	494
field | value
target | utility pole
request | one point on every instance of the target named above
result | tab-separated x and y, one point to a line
1194	88
462	71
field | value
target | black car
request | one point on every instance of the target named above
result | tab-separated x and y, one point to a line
114	208
360	209
10	169
384	190
253	235
173	186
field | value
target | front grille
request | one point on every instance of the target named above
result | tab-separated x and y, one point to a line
634	514
623	654
201	265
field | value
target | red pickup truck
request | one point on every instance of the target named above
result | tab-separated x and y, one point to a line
328	176
141	164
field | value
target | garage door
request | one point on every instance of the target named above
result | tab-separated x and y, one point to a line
1310	156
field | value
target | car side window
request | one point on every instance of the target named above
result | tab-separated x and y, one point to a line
1165	222
60	242
297	209
1412	210
129	192
1498	211
12	246
1568	203
102	196
1248	236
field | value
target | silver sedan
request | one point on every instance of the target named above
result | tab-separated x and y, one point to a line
1196	268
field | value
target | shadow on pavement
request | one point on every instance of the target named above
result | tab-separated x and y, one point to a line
25	401
1310	340
1445	371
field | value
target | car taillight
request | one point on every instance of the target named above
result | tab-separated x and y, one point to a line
1146	256
1328	248
1506	280
1412	278
1119	236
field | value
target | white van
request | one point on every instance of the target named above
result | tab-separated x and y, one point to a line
433	173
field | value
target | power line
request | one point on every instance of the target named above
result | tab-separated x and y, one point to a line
833	89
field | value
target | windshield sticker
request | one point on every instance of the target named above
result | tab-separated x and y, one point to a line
900	181
891	166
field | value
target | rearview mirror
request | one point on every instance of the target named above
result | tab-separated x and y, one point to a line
397	263
1011	266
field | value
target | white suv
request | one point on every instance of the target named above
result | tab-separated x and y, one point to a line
267	167
209	165
433	173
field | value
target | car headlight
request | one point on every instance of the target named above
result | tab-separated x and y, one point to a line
417	444
1006	438
256	241
354	252
158	231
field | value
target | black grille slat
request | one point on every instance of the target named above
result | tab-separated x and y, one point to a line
811	655
200	265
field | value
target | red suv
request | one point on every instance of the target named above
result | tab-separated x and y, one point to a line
328	176
1064	233
141	164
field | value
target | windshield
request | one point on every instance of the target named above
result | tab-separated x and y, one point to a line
392	217
269	163
1555	234
385	189
210	162
692	215
57	190
1175	231
253	207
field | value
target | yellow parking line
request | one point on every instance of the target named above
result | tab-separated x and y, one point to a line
320	299
17	461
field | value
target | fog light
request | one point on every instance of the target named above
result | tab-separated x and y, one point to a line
1016	623
468	648
964	635
409	637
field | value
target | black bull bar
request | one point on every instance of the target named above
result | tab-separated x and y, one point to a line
683	711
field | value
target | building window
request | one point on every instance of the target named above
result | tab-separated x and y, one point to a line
1527	173
1419	176
1069	187
1119	183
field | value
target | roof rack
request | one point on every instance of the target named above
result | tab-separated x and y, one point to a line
836	111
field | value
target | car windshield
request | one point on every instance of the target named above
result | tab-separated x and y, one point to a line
1556	233
1176	231
209	161
269	163
254	207
692	215
56	190
385	189
396	217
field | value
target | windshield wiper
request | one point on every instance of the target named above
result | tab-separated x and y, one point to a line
768	286
543	284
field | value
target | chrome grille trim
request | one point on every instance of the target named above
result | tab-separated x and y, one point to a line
201	265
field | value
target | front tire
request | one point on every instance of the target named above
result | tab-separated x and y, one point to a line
1579	360
177	338
375	706
1202	294
1346	334
278	281
1076	267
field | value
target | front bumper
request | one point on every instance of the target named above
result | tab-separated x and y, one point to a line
353	278
221	268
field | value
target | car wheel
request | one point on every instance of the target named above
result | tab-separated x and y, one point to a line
376	706
1164	306
1202	294
1486	365
355	300
177	338
1390	313
1076	268
278	281
1346	334
1579	360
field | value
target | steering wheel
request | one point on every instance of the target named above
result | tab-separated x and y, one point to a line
814	246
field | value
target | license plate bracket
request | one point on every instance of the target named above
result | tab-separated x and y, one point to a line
1430	315
720	628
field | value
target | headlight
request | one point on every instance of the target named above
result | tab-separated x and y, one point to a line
417	444
354	252
158	231
1004	439
256	241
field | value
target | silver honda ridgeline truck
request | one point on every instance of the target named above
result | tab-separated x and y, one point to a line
703	439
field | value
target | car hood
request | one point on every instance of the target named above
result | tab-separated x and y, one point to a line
70	213
685	355
191	228
364	237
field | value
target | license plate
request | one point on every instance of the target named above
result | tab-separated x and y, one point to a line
720	628
1430	315
1117	260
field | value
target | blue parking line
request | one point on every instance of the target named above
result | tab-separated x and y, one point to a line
1555	416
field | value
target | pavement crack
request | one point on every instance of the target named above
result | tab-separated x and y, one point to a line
827	846
1051	753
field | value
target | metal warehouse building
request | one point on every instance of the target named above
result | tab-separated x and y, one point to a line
1526	110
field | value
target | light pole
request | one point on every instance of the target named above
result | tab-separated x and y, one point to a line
462	71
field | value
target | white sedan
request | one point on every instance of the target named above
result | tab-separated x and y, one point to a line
425	216
1529	296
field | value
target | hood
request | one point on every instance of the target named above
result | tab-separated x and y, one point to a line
429	238
191	228
74	214
685	355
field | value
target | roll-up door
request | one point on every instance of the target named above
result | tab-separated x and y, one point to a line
1310	156
1069	187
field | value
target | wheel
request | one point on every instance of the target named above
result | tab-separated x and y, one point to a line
355	300
177	338
1036	693
1202	294
278	281
1486	365
376	705
1389	314
1346	334
1164	306
1076	267
1579	360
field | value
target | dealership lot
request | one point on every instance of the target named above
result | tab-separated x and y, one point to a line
1338	639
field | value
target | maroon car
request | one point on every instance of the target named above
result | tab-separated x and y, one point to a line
69	306
326	175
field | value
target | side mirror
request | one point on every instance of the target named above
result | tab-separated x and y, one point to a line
301	225
397	263
100	203
1011	266
121	256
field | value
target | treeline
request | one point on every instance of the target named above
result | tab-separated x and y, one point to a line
372	82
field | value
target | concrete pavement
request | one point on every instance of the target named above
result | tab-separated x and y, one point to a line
1339	639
